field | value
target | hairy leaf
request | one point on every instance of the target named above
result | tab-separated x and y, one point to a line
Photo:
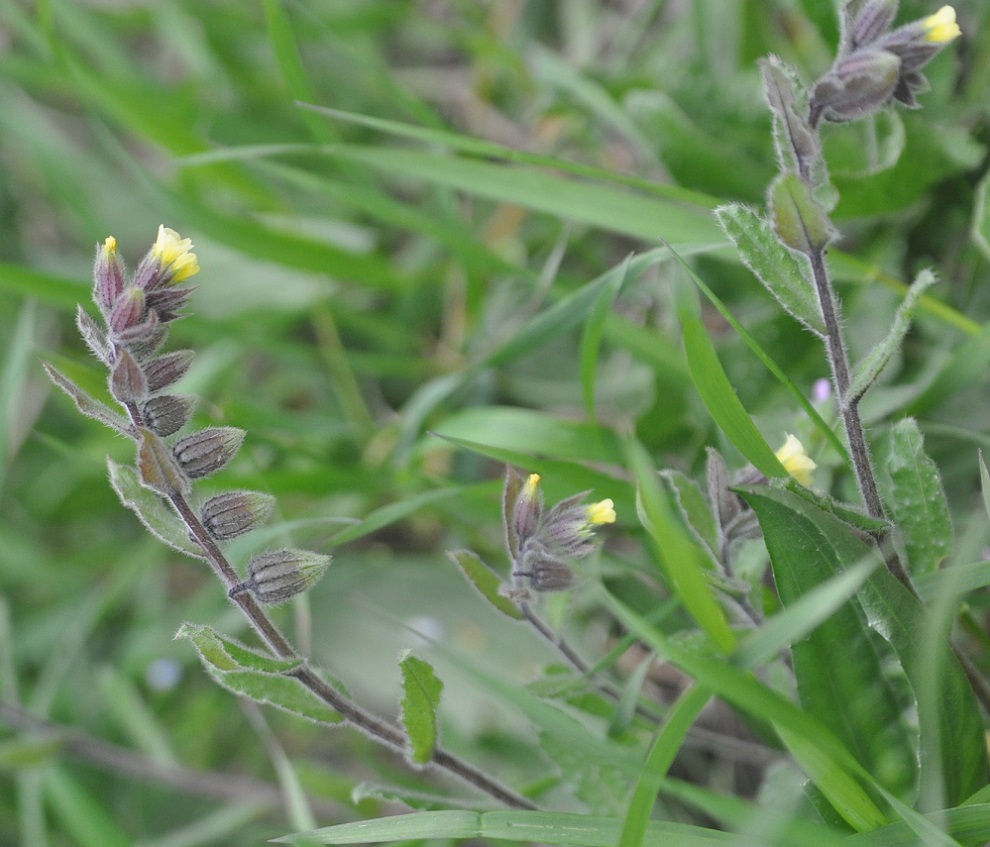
420	699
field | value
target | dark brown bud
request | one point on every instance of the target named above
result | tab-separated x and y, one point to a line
208	450
280	576
127	381
235	512
168	413
163	371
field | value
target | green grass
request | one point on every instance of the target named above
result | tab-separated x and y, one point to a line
437	238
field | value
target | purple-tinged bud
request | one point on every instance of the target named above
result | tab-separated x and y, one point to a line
280	576
208	450
166	370
144	339
168	413
872	20
156	466
545	572
168	301
235	512
169	261
108	276
95	338
127	381
859	84
128	311
528	509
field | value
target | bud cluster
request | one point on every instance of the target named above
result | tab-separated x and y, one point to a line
136	311
876	66
542	542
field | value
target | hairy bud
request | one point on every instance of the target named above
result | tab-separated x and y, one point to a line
235	512
168	301
163	371
127	381
208	450
128	311
108	276
144	339
528	509
168	413
280	576
545	572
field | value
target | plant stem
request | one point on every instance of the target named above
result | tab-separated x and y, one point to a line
381	730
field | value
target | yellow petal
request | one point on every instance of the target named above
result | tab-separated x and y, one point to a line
942	27
601	512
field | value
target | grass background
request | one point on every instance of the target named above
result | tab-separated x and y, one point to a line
418	261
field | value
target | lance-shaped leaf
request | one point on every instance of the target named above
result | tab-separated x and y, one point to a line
93	335
876	360
157	517
157	469
917	499
797	145
420	699
839	666
87	405
952	749
776	267
799	220
256	676
487	583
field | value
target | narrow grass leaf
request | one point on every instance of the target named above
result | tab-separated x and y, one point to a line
867	371
420	699
985	484
980	228
776	267
157	517
683	562
661	756
540	827
720	399
839	665
917	499
594	332
485	581
84	818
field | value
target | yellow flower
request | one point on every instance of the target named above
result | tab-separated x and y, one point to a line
175	254
795	461
531	483
601	512
941	27
110	245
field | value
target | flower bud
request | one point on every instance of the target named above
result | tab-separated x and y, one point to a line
235	512
208	450
163	371
169	261
528	508
872	20
280	576
127	381
145	338
166	414
108	276
859	84
168	301
545	572
128	310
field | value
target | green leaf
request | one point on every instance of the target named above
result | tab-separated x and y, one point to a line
594	331
256	676
720	399
953	754
816	748
662	753
695	510
683	563
980	232
420	700
839	665
487	583
87	405
776	267
876	360
541	827
156	515
796	144
917	500
798	219
985	484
